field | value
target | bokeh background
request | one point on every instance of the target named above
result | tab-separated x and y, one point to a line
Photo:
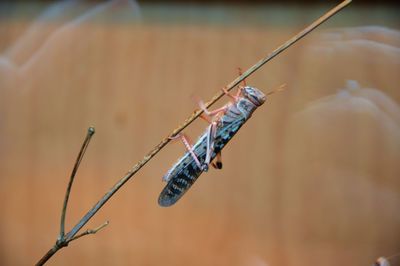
312	179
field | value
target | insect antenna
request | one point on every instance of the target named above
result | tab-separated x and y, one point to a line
277	89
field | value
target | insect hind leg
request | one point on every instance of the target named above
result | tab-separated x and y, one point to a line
189	148
211	135
217	164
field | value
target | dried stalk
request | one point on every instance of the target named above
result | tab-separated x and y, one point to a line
62	240
85	144
71	235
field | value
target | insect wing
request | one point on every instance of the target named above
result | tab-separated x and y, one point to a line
182	176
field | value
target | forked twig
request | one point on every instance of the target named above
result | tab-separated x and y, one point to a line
71	235
90	231
62	240
85	144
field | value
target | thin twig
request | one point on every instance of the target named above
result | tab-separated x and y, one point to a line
90	231
63	243
61	240
85	144
71	234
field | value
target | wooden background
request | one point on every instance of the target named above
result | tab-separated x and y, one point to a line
312	179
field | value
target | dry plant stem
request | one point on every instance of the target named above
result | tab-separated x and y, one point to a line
60	244
61	240
70	235
90	231
85	144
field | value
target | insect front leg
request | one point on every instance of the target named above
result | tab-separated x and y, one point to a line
241	73
209	115
213	113
235	97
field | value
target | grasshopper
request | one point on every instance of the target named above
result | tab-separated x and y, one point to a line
223	125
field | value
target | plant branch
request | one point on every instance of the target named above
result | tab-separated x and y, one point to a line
71	235
85	144
90	231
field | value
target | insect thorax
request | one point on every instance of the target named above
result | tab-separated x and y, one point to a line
245	107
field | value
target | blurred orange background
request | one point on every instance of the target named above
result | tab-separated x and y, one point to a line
311	179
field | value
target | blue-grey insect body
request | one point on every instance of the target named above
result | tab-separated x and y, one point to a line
186	171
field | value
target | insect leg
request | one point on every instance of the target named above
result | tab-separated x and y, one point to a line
211	113
206	118
217	164
227	93
211	134
240	73
189	148
233	97
237	95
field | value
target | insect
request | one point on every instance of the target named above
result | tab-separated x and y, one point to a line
224	125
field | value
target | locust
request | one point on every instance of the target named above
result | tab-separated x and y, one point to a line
224	123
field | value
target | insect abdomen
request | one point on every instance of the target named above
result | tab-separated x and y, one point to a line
179	184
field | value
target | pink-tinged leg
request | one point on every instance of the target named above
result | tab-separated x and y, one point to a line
206	118
238	93
240	73
227	93
189	148
211	113
211	135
